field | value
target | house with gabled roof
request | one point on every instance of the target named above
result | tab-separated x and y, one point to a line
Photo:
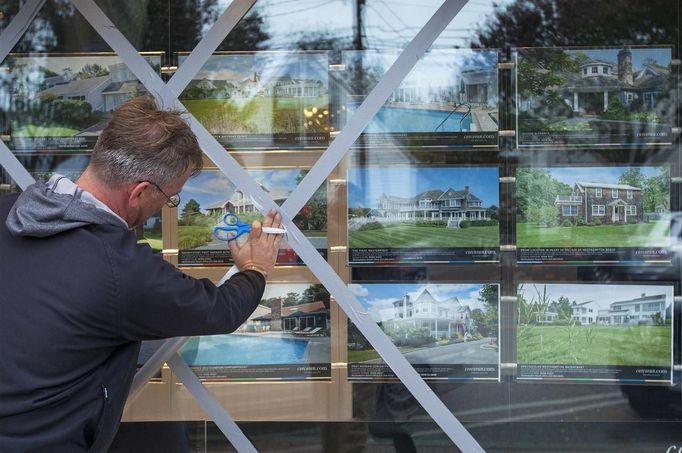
610	203
635	311
442	318
433	205
600	82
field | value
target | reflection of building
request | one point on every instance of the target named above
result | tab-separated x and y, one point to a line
634	311
599	82
290	318
433	205
442	318
610	203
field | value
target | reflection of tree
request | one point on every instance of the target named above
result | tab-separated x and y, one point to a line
149	25
579	23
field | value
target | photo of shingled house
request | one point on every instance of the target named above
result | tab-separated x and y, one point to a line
611	203
452	205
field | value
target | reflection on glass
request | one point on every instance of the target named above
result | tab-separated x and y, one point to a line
62	102
449	98
607	97
446	331
589	214
286	337
423	215
594	332
263	99
207	197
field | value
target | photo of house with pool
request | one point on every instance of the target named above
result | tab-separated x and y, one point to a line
593	214
588	96
207	197
58	102
423	215
286	338
446	331
450	98
262	99
595	332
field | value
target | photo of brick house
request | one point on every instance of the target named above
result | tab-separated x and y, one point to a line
612	204
433	205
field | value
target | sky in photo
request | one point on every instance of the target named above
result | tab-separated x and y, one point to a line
603	295
281	290
379	297
605	175
662	56
212	186
366	185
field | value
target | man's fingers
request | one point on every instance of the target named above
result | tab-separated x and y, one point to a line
269	219
234	248
255	230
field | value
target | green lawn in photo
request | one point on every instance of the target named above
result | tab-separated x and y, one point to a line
594	345
32	130
411	236
653	234
259	115
153	239
371	354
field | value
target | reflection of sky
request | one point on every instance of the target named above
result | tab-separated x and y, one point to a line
366	185
606	175
281	290
269	65
437	68
387	24
212	186
602	295
379	298
661	55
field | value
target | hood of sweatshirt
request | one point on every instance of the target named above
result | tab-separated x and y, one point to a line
41	212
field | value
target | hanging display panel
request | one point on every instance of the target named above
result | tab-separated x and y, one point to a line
446	331
63	102
594	97
618	215
423	215
209	196
595	332
449	99
287	337
262	99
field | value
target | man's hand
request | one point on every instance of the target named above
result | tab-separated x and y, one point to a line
259	252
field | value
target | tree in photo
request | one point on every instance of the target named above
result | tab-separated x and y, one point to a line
190	213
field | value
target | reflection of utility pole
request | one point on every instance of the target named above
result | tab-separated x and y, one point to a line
358	25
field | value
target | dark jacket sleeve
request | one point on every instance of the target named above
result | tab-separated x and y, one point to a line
158	301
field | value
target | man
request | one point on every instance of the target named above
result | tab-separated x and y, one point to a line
78	294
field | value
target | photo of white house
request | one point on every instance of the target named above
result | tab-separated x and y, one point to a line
605	324
442	318
442	324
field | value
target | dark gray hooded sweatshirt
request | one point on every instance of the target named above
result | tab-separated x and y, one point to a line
77	295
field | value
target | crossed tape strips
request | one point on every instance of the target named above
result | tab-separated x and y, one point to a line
167	96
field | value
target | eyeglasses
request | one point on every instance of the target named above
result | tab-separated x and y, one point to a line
171	201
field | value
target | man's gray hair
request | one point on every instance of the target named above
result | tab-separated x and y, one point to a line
143	143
